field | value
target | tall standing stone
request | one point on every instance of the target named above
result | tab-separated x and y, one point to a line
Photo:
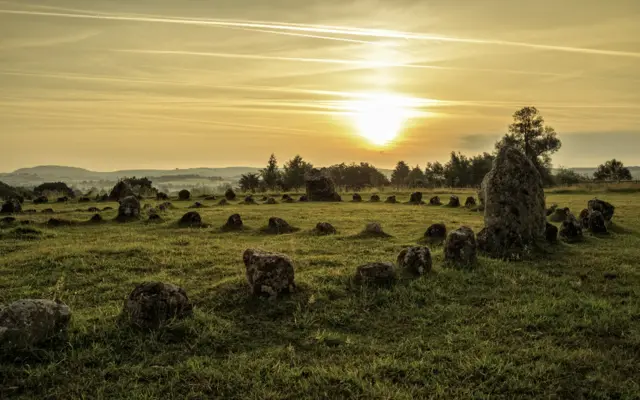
320	187
514	214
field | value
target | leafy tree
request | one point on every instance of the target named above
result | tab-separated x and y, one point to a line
569	177
536	140
612	170
416	177
294	171
457	172
356	176
271	174
400	174
249	182
434	174
480	166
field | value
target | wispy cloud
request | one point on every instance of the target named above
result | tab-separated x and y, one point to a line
347	31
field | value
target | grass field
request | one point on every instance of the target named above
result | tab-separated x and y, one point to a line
566	326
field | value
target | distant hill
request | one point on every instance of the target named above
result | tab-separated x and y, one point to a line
635	171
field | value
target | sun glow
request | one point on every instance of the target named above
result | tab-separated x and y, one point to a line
380	117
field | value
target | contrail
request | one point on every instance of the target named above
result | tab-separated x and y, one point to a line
329	30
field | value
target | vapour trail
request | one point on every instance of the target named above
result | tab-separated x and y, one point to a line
330	30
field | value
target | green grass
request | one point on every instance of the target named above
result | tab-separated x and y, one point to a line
551	328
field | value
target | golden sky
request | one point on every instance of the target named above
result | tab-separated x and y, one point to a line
115	84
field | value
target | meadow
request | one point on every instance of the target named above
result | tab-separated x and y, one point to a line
566	325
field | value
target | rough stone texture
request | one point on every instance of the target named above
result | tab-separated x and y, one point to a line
230	194
391	200
97	218
268	273
481	192
559	214
374	198
435	201
120	191
470	202
129	209
607	209
454	201
191	218
278	225
571	230
552	209
584	213
436	233
151	305
597	222
514	214
320	187
11	207
303	198
460	247
30	322
41	200
356	198
249	200
551	233
416	260
325	228
416	198
271	200
184	194
374	229
234	223
375	273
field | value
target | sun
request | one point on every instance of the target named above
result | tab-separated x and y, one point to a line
380	118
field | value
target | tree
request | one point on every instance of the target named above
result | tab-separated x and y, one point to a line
356	176
568	177
400	174
537	141
271	174
294	171
457	172
416	177
249	182
612	170
434	174
480	166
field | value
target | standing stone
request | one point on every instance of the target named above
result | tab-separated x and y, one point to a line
356	198
271	200
120	191
460	247
514	215
374	198
559	214
470	202
320	187
268	273
325	228
435	201
481	193
436	233
552	209
249	200
303	198
375	273
184	194
234	223
391	200
454	201
230	194
607	209
416	260
416	198
596	222
223	202
129	209
151	305
279	225
191	219
29	322
551	233
571	230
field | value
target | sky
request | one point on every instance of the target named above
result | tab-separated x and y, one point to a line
118	84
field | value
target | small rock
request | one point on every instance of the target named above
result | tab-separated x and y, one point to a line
48	211
184	195
285	197
41	200
155	218
197	204
30	322
374	229
250	200
416	260
607	209
303	198
551	209
210	198
191	219
279	226
597	223
391	200
107	209
223	202
234	223
470	202
268	273
160	196
374	198
416	198
230	194
436	233
129	209
152	305
97	218
460	247
325	228
376	273
56	222
435	201
559	215
610	276
454	201
551	233
271	200
356	198
571	230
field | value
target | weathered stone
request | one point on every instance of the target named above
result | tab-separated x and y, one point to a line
454	201
375	273
325	228
374	229
197	204
190	219
460	247
230	194
152	305
551	233
597	223
269	273
155	218
289	200
271	200
514	214
120	191
249	200
96	218
285	197
56	222
184	194
559	214
416	260
584	213
571	230
356	198
416	198
435	201
374	198
30	322
470	202
436	233
391	200
303	198
129	209
607	209
234	223
223	202
11	206
320	187
279	226
551	209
